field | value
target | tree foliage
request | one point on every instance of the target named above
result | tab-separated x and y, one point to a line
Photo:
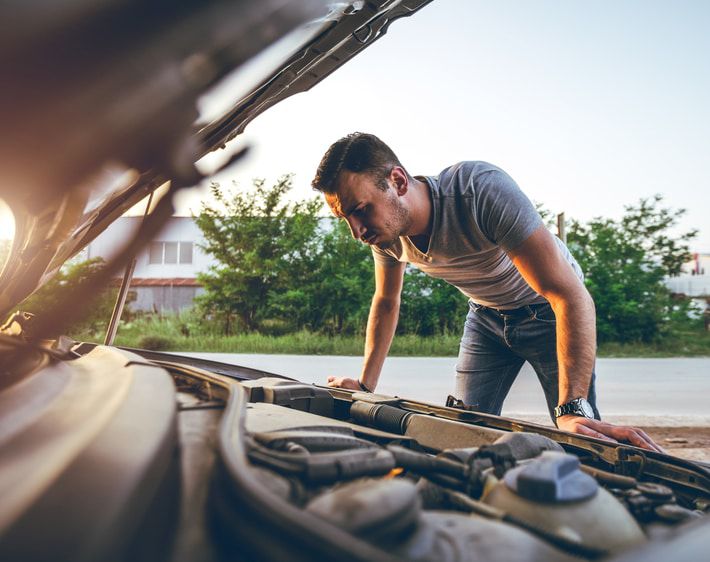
625	262
430	306
339	286
283	268
74	273
263	245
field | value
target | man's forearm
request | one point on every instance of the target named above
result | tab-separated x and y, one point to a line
576	344
381	325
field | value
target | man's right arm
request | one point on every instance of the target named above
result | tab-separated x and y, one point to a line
382	321
381	325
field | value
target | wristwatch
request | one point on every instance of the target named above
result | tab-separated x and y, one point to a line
363	387
577	407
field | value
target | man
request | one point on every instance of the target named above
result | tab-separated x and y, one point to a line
474	228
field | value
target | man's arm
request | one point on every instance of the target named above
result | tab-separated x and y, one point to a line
541	263
381	325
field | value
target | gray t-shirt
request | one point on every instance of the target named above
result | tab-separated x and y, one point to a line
479	214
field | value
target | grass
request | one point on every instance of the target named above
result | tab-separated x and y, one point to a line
183	333
681	343
300	343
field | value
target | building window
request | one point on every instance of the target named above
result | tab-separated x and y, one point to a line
170	253
155	253
185	252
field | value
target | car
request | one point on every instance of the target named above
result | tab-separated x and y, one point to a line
127	454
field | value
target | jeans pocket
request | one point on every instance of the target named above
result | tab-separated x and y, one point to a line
544	314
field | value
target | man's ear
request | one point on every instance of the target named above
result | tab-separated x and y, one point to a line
400	181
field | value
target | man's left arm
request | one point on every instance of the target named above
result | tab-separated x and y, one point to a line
541	263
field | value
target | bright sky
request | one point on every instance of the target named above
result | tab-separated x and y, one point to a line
588	105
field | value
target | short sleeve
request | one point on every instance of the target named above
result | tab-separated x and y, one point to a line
382	258
505	214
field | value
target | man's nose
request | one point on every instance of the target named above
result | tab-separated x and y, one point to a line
356	227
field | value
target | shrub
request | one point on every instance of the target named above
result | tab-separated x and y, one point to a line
156	343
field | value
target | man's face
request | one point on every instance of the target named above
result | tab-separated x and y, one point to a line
375	217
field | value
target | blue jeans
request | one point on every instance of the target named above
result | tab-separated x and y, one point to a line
494	346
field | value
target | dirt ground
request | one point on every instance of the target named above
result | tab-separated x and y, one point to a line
687	437
692	443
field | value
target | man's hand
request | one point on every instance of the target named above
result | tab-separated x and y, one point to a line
343	382
607	431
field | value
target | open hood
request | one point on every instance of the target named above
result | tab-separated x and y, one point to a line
100	102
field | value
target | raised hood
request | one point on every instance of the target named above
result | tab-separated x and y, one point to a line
99	102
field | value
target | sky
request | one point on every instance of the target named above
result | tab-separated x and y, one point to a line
589	106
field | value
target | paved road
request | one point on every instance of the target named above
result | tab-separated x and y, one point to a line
634	387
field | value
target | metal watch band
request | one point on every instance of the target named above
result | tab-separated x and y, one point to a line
574	407
564	409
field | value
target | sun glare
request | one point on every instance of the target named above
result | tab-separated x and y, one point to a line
7	222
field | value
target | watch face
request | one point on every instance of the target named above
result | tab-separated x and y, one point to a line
586	408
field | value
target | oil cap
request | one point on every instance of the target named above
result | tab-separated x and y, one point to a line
553	477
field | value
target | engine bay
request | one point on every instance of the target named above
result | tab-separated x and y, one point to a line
118	455
419	487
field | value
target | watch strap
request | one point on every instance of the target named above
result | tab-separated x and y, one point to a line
573	407
363	387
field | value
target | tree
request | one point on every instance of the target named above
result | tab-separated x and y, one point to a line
264	245
625	262
47	297
346	280
430	306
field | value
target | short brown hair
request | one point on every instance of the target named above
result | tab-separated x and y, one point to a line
356	152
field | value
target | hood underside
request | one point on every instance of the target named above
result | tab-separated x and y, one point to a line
102	107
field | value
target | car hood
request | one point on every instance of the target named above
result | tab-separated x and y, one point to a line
110	100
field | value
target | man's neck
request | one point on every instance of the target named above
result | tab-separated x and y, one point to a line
420	210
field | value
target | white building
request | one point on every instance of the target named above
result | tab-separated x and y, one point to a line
694	281
165	276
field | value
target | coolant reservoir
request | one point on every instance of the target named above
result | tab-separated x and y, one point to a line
552	493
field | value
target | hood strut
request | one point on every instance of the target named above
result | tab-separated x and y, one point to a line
123	291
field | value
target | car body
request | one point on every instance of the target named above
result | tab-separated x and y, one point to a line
112	454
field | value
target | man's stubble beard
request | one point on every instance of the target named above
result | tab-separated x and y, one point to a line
399	225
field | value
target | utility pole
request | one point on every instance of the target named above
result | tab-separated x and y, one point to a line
561	232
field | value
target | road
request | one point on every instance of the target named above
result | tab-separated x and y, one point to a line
676	388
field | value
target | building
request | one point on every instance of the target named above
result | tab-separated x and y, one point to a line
165	276
694	281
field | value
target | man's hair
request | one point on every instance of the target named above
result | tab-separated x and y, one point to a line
356	152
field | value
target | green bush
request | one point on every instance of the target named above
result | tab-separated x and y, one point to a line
156	343
95	316
276	327
625	263
147	332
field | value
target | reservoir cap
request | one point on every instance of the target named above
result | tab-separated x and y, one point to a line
553	477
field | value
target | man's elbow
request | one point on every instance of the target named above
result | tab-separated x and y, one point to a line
385	304
570	297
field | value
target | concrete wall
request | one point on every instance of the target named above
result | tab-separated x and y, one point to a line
164	298
178	229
